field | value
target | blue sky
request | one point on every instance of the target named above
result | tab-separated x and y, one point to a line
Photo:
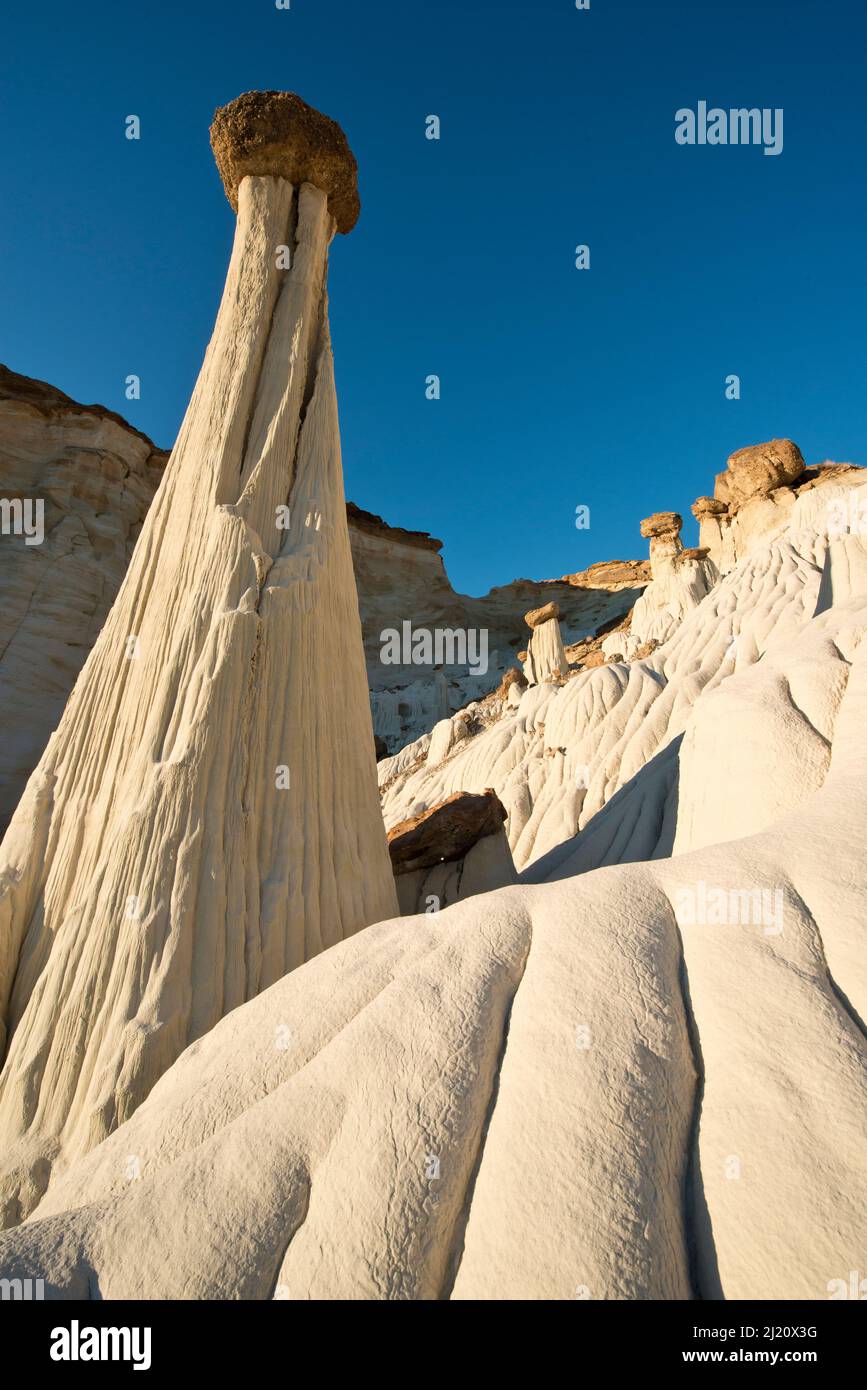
560	387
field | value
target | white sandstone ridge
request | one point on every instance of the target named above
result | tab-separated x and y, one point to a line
559	752
205	817
646	1080
94	477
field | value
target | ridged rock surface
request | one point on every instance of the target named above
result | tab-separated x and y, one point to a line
205	817
592	1084
569	748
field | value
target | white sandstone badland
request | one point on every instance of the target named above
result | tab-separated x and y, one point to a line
592	1084
205	817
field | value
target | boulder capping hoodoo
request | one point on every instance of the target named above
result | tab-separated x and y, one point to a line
277	133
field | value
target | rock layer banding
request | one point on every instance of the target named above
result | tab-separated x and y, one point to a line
95	477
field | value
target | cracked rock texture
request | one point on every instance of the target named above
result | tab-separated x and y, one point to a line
205	817
630	1075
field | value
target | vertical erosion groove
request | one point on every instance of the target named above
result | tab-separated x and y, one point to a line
456	1248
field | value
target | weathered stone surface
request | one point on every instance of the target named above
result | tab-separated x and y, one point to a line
733	534
708	506
373	525
401	578
512	677
277	134
574	1049
757	470
154	875
446	831
611	574
546	654
662	524
96	477
399	573
537	616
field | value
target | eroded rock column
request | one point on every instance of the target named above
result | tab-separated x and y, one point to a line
713	522
206	817
546	655
680	579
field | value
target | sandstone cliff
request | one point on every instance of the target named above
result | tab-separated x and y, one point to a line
96	477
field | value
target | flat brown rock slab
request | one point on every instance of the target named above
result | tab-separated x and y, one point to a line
277	133
695	552
708	506
537	616
446	832
662	524
611	574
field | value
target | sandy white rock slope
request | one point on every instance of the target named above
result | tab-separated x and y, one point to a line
647	1080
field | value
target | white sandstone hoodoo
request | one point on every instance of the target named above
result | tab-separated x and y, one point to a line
680	579
546	656
205	817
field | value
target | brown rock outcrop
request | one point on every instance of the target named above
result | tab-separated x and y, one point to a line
278	134
611	574
757	470
374	525
446	832
537	616
662	524
704	507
